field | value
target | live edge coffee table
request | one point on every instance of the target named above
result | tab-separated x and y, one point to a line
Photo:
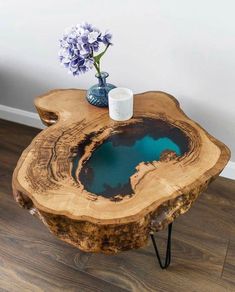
105	186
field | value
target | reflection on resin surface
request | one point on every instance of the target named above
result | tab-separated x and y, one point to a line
111	165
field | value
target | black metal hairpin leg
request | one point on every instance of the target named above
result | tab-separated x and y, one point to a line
168	249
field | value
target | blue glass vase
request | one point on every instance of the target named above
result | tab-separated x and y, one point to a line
98	94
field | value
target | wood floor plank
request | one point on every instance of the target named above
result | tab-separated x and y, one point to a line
48	274
229	264
32	259
195	266
212	213
32	252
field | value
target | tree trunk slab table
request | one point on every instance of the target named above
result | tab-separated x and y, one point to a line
104	186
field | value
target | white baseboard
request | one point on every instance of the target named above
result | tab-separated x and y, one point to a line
33	120
20	116
229	171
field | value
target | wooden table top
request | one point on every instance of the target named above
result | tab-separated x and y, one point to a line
103	185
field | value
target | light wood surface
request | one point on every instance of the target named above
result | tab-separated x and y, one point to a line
162	190
32	259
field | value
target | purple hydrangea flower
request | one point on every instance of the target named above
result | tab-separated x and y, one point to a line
78	45
106	38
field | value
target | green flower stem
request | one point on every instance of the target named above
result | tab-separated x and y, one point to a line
97	67
97	59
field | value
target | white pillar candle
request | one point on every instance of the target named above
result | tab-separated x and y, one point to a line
120	104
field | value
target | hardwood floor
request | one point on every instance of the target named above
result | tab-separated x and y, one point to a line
32	259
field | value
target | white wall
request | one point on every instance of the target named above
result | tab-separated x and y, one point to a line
184	47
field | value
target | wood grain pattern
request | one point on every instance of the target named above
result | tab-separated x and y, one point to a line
33	260
162	190
229	263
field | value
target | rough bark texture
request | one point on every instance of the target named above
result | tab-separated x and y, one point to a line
160	190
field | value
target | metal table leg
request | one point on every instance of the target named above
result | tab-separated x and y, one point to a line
168	248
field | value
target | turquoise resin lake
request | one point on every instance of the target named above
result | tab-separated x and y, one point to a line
107	172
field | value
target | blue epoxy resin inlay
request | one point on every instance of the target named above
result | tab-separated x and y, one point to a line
113	165
107	172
